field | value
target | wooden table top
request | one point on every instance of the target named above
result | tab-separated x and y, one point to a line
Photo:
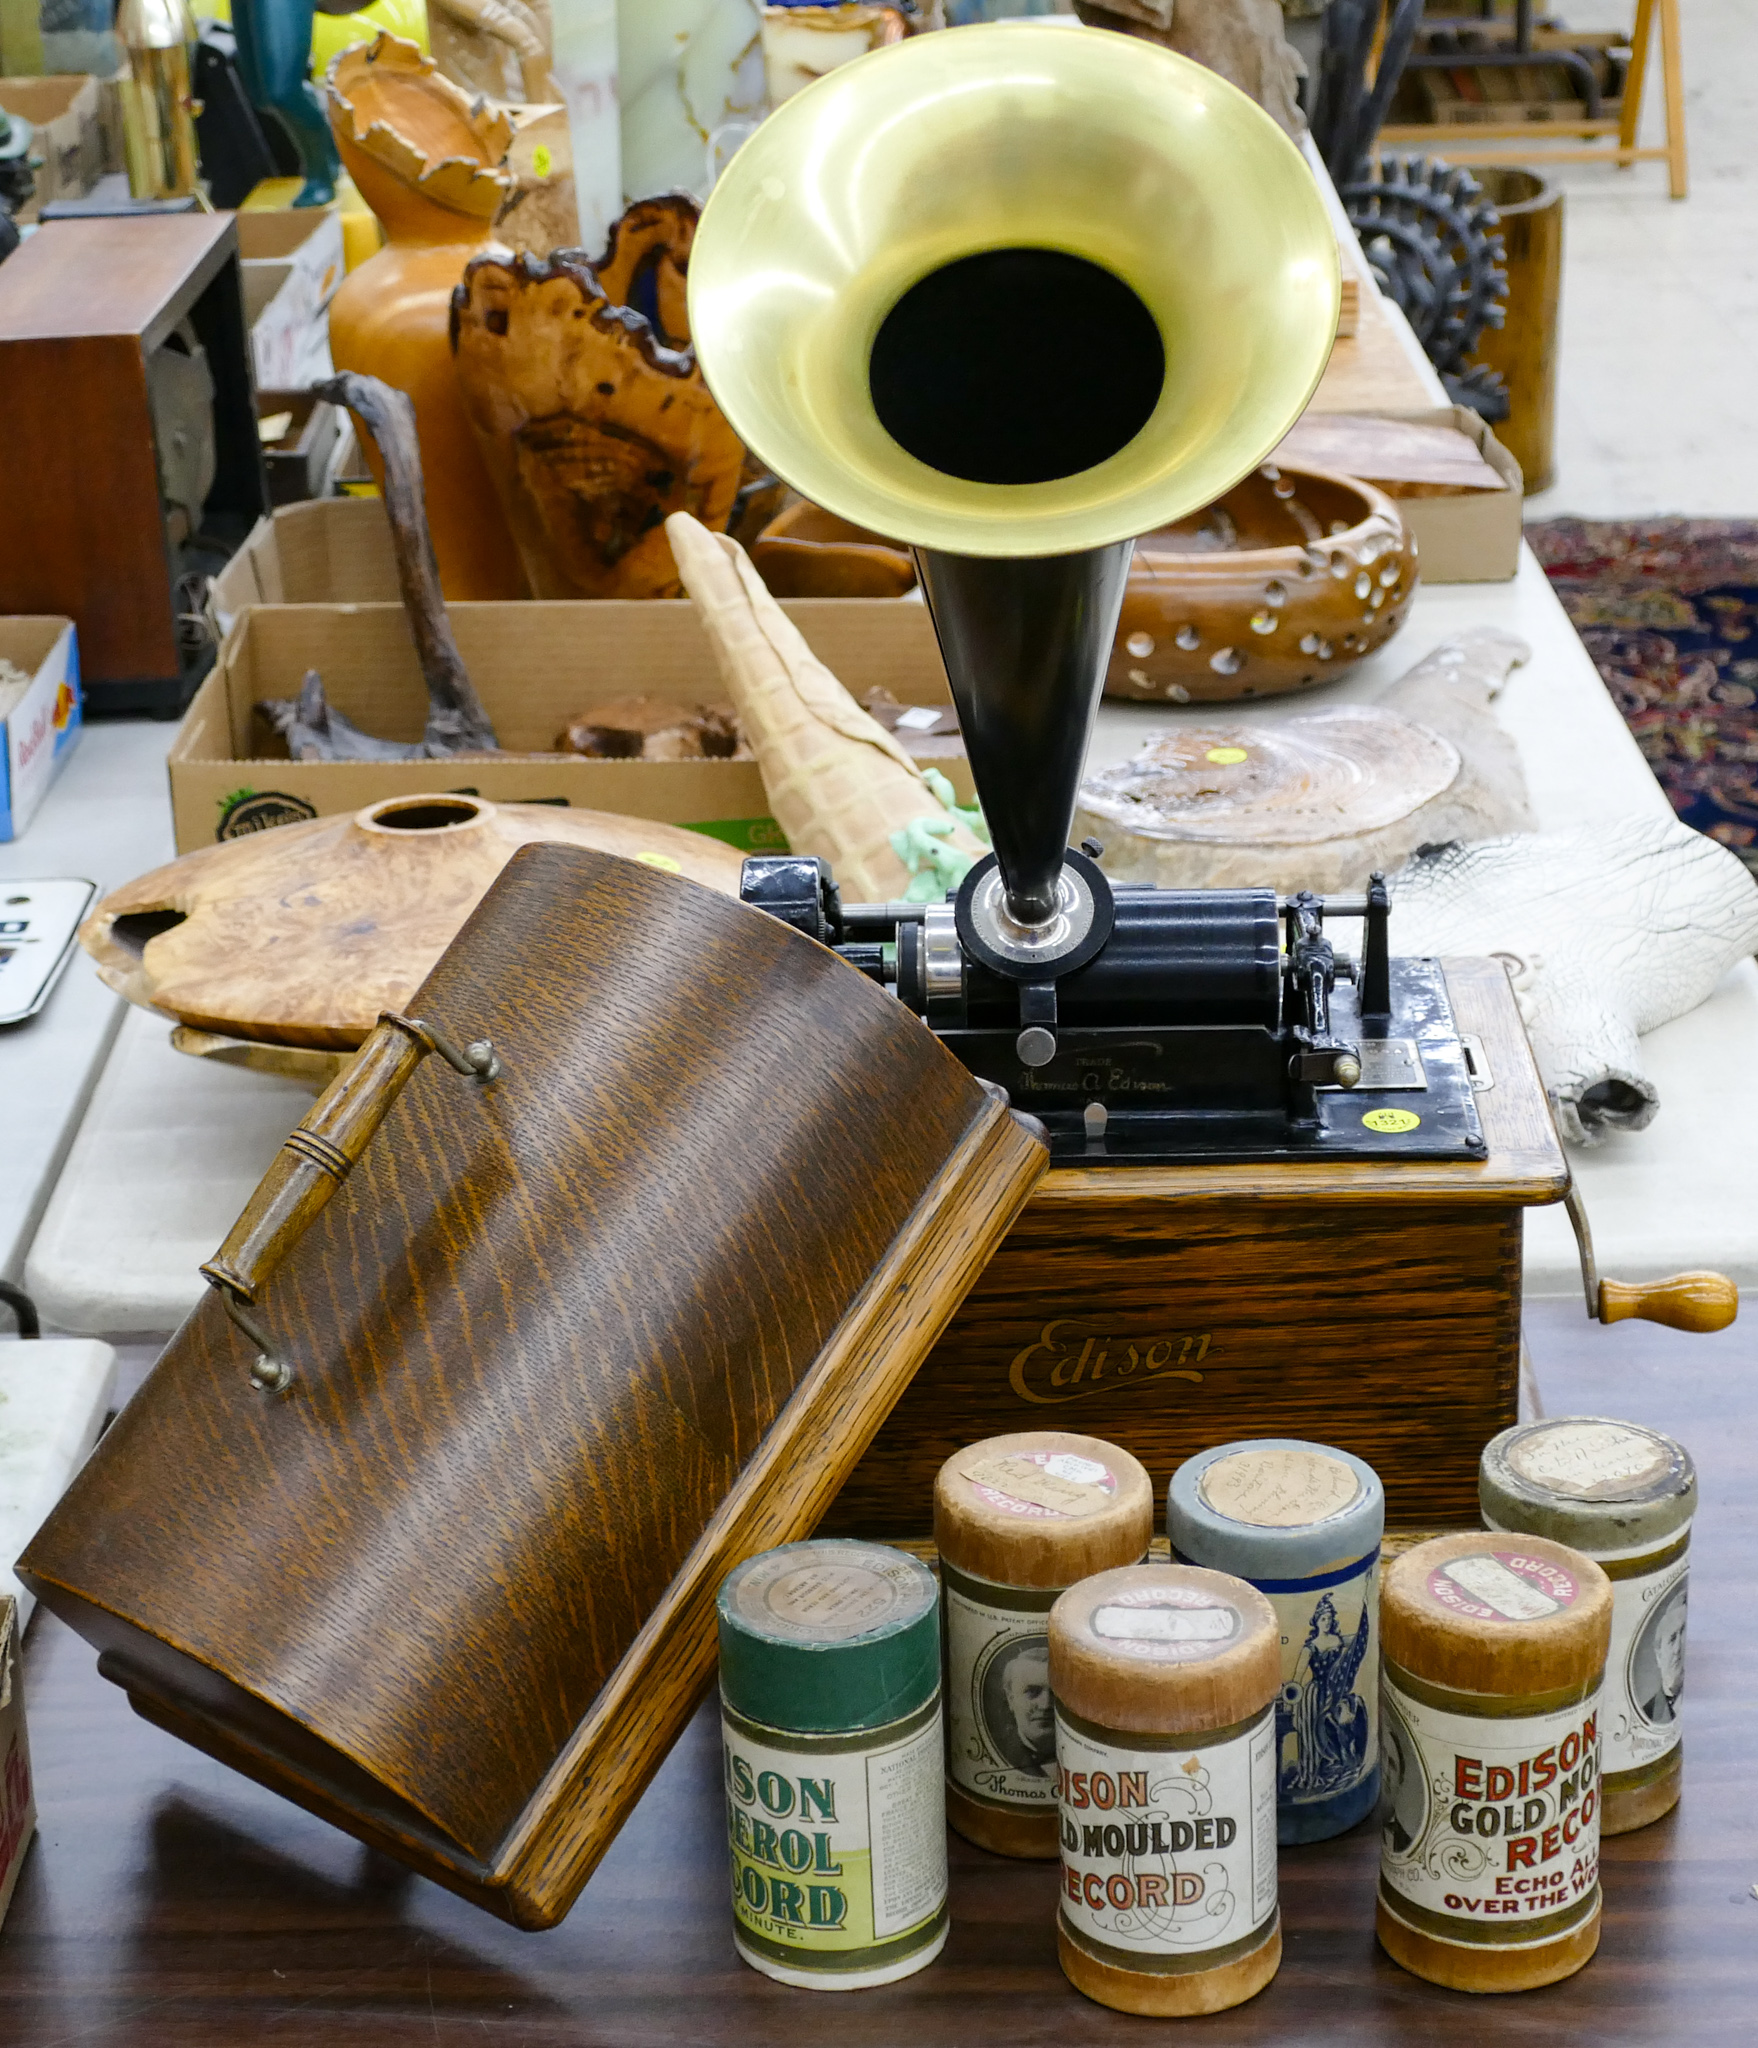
170	1904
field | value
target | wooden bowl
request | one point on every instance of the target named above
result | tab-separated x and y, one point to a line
1287	581
807	552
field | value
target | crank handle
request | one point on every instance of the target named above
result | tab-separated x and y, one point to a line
1684	1301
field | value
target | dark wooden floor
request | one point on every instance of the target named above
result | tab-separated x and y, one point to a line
169	1904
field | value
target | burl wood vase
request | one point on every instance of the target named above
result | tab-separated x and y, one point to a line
539	1351
590	410
427	161
304	935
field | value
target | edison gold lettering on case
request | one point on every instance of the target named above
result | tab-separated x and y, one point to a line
1070	1360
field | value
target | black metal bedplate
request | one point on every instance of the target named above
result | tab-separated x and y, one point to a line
1193	1095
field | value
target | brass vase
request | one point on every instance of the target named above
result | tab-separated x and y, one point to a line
158	103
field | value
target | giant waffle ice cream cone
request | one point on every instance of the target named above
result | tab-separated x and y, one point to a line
839	785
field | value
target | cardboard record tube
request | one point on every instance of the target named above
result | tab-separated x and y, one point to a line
1490	1723
1165	1678
1625	1496
1017	1520
1302	1523
832	1745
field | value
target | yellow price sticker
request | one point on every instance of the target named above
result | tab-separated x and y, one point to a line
1227	757
1389	1120
662	860
541	160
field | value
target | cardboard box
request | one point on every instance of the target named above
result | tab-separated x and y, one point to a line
536	666
18	1812
291	264
338	550
308	239
331	551
67	114
1467	536
1461	501
298	460
40	721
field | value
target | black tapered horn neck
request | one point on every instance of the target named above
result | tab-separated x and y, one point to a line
1026	641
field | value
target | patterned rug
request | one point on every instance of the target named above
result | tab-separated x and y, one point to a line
1668	609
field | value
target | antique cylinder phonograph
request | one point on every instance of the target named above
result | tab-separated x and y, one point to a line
1015	296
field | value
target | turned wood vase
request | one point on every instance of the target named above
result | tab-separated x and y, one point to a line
426	159
302	935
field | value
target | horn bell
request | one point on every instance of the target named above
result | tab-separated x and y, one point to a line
1015	290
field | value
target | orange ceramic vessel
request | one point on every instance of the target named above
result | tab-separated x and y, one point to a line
427	161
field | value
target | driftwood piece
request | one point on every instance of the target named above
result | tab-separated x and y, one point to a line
303	935
1607	931
316	731
1242	40
839	784
1450	691
655	729
456	720
589	407
540	213
1321	800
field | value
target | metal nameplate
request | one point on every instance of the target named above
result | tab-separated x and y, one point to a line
1388	1063
1196	1095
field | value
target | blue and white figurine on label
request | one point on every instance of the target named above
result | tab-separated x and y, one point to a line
1302	1523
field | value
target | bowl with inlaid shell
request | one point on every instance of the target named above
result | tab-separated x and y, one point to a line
1284	583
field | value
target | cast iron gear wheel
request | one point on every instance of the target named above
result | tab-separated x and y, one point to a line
1480	388
1433	243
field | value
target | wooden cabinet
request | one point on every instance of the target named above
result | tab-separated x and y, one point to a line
1374	1306
107	326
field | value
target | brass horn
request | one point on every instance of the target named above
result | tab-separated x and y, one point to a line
1014	295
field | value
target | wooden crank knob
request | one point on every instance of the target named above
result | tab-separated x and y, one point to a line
1686	1301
